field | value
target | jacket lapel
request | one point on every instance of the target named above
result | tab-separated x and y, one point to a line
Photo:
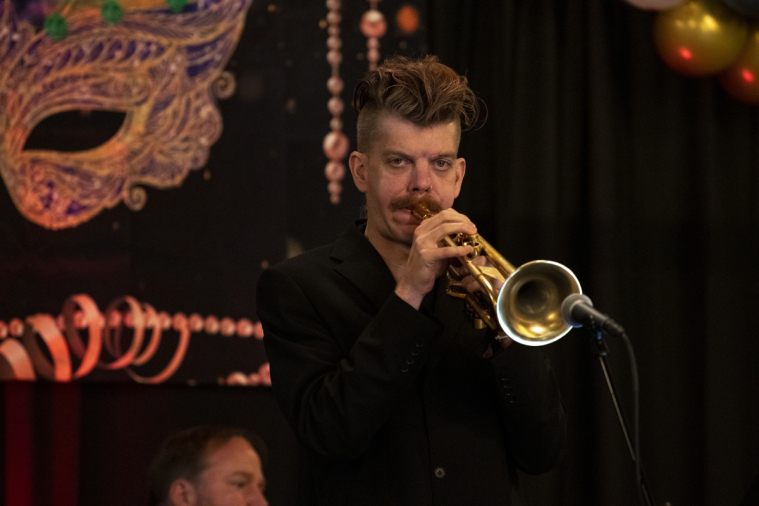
362	265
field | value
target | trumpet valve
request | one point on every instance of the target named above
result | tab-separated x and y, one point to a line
455	289
470	240
473	318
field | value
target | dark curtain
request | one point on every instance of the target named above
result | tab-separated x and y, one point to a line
646	184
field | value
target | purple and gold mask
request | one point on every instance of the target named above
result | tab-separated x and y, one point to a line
159	68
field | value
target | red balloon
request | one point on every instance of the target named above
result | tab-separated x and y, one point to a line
741	80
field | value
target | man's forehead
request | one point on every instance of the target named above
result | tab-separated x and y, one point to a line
424	153
397	135
232	459
237	449
387	120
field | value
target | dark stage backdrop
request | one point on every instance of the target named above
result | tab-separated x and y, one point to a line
595	154
646	184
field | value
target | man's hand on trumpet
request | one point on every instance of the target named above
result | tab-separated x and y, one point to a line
428	258
471	285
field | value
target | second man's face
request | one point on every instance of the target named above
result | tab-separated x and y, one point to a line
405	164
233	477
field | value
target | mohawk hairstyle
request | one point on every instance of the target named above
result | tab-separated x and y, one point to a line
424	92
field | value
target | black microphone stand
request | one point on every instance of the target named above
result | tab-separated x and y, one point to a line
601	352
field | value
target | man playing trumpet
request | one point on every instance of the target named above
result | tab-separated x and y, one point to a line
394	397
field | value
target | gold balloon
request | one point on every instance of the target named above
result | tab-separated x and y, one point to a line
741	80
700	37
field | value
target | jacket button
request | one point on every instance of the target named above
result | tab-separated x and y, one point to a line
404	368
439	473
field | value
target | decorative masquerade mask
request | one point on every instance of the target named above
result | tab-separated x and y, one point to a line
159	68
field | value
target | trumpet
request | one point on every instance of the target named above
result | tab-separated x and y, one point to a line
528	306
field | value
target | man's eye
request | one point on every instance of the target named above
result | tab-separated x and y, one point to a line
443	164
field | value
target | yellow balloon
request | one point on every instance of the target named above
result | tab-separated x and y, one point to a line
741	80
700	37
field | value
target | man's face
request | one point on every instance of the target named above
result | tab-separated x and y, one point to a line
405	164
233	477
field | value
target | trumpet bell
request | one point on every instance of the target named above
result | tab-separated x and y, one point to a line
529	304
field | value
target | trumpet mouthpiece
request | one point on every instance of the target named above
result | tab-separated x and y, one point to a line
422	212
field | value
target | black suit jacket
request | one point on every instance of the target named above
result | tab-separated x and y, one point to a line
395	406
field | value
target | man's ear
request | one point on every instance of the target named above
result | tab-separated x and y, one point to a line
182	493
460	166
358	163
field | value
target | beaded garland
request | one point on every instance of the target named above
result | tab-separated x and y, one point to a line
373	26
336	143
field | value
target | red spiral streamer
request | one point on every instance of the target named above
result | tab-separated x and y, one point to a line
20	348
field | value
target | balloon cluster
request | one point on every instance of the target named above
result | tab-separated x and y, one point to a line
710	37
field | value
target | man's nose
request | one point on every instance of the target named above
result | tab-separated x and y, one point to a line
257	498
421	177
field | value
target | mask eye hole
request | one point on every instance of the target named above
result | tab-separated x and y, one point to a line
76	130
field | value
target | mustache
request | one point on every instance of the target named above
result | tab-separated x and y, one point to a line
410	201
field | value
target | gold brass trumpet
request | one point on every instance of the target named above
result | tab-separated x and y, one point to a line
527	308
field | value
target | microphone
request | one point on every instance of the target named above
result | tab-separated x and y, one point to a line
577	310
